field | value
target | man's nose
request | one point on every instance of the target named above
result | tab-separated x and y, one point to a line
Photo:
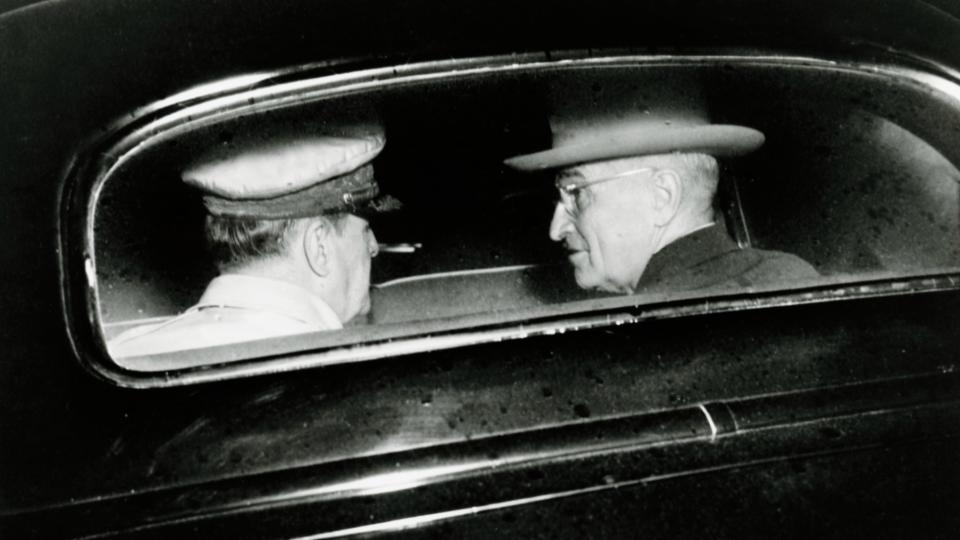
560	223
372	246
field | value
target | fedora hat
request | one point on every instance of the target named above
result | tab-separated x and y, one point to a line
603	117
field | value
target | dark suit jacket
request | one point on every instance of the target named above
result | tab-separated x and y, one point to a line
708	258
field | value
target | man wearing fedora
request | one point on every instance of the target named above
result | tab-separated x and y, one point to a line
637	176
286	225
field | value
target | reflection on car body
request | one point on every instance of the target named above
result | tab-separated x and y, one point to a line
485	394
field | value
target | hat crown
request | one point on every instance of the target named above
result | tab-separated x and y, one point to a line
613	124
290	175
259	170
611	117
606	107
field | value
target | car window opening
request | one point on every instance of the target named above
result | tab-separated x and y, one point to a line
772	178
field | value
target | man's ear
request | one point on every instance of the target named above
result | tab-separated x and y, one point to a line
317	246
667	194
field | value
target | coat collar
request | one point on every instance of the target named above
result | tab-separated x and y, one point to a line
264	294
687	251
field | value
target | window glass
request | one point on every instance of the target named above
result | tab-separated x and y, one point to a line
855	179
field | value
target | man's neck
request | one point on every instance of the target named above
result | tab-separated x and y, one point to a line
280	270
273	269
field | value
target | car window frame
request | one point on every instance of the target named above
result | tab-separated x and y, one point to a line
263	92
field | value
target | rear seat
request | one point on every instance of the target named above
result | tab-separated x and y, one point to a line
464	292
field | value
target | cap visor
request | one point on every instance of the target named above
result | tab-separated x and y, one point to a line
381	204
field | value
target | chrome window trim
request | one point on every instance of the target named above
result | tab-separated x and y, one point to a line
685	305
219	100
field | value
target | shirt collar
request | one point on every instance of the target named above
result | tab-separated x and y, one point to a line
272	295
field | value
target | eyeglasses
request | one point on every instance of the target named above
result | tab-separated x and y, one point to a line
570	193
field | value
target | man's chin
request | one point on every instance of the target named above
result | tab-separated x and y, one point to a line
363	314
590	281
586	279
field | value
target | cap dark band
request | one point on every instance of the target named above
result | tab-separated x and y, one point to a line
353	192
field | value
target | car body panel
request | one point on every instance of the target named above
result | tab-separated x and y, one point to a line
465	414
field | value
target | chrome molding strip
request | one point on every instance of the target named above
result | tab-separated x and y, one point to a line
399	525
556	323
390	473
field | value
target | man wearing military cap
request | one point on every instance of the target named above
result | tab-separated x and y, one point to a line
286	226
637	176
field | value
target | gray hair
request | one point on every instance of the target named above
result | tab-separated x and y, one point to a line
236	241
700	175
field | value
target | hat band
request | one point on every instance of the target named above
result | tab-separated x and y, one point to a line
343	193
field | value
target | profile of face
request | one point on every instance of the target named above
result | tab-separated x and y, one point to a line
341	257
355	245
607	218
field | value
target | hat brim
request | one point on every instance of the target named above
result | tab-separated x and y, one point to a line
720	140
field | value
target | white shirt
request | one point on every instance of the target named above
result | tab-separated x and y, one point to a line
233	309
